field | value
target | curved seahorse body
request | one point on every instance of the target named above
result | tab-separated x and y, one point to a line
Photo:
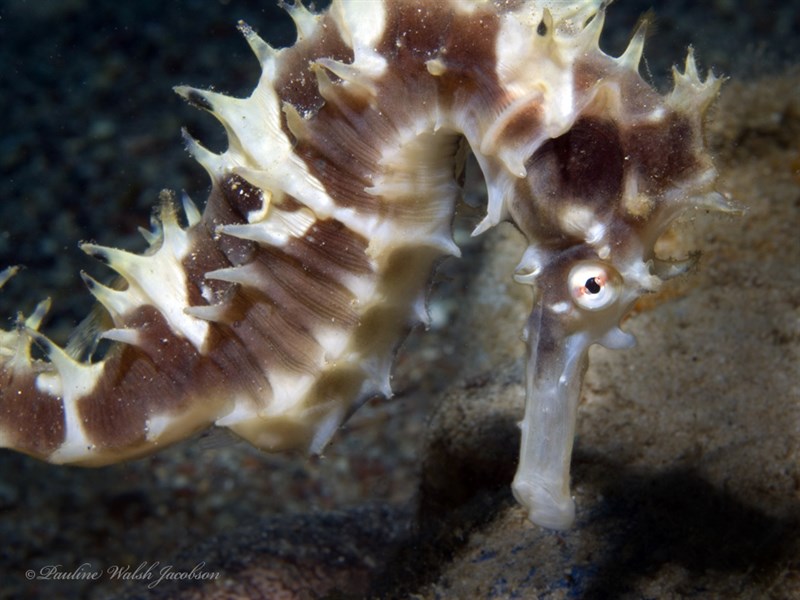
278	310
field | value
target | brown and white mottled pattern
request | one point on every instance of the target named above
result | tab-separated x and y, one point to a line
278	310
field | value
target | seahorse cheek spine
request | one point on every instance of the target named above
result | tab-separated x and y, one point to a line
278	310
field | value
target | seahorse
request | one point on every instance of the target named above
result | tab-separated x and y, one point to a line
278	310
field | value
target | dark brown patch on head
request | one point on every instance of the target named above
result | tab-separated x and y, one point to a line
584	165
33	420
535	213
662	153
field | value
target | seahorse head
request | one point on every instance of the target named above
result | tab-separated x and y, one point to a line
612	164
596	199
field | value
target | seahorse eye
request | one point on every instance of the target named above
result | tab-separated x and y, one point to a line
594	285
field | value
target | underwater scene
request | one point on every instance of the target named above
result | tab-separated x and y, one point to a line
685	467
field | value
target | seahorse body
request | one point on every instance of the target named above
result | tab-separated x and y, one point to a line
278	310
